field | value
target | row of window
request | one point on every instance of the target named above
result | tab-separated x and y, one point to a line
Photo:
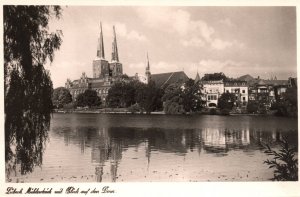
99	91
211	97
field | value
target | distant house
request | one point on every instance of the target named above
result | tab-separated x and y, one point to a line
212	91
238	88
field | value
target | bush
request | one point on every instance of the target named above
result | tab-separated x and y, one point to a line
213	111
173	108
225	111
135	108
69	106
252	107
284	162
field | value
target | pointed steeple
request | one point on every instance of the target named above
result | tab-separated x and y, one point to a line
100	49
148	73
148	64
197	77
114	55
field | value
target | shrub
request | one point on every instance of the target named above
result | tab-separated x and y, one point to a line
225	111
213	111
134	108
252	107
284	162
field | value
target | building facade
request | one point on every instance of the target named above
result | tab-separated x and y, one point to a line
105	72
239	89
212	91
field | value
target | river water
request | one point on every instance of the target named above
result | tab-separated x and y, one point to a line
139	148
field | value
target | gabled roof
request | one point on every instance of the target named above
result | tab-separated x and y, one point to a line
164	79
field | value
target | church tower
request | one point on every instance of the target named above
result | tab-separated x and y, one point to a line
148	73
197	78
100	65
116	68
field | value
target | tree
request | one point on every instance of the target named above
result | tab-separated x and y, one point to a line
149	97
226	101
214	77
28	44
181	98
192	96
61	96
288	105
122	94
88	98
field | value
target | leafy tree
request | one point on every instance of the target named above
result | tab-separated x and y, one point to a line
28	44
288	105
149	97
61	96
122	94
192	96
226	101
214	77
181	98
88	98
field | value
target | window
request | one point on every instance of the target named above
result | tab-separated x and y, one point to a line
243	91
244	98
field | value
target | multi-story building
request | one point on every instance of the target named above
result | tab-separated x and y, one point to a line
239	88
212	91
105	73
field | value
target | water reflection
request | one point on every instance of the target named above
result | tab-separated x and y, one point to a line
114	148
107	145
25	143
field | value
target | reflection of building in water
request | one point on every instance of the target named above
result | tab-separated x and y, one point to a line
216	140
106	149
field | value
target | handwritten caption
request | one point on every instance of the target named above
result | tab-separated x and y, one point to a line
68	190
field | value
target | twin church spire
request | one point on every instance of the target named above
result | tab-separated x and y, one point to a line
100	48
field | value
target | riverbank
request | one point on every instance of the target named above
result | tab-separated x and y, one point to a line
126	111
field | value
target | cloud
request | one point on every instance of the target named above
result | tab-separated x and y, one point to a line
123	31
195	33
193	42
220	44
227	22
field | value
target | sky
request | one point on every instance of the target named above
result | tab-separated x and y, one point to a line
260	41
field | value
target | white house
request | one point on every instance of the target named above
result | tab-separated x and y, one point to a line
212	91
239	88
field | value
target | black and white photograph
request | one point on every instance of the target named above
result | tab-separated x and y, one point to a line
149	94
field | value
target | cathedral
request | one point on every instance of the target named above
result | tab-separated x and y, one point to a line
104	72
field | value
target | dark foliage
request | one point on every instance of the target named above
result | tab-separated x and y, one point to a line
182	98
288	105
88	98
284	162
122	94
226	101
60	97
214	77
252	107
149	96
28	88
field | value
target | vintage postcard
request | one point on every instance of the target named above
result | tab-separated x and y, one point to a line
149	99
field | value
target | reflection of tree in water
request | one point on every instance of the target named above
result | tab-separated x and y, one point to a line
28	87
108	144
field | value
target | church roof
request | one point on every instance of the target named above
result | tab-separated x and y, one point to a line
164	79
